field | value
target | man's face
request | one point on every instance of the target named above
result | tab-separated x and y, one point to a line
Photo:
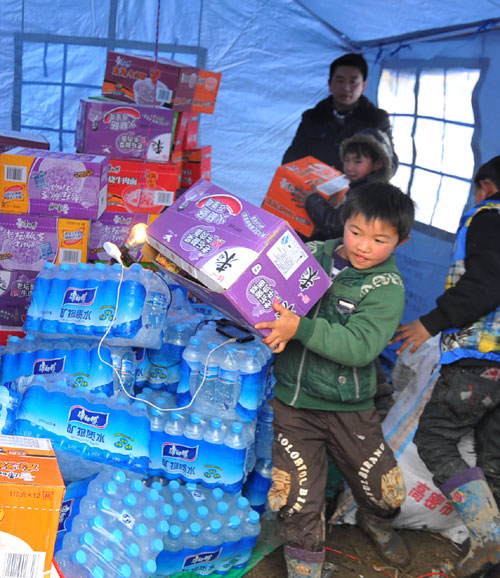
346	86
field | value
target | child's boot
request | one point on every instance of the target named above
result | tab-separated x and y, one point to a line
389	543
474	502
303	563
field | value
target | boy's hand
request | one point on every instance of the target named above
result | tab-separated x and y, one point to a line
282	330
411	333
299	197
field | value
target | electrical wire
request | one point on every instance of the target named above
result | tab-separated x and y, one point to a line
119	376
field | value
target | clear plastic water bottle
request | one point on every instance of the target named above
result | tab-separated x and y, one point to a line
194	429
174	425
264	433
190	371
234	437
173	542
61	275
109	278
250	533
250	375
215	433
132	296
258	484
193	539
213	536
206	399
39	298
227	393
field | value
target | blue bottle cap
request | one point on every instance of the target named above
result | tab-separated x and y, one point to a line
120	477
217	494
195	528
174	532
133	550
125	571
96	523
166	510
157	486
183	515
149	567
156	545
253	517
149	512
234	522
117	535
202	512
97	572
237	427
110	488
215	526
162	527
129	500
79	557
87	539
222	507
177	498
140	530
153	495
107	554
136	486
104	504
243	503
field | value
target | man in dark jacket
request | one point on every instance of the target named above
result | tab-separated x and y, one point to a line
345	112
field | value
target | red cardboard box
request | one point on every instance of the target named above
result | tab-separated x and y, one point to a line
194	164
305	174
186	131
206	90
135	78
135	187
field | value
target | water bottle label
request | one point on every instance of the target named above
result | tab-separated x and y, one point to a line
76	296
249	396
51	365
203	558
211	464
123	435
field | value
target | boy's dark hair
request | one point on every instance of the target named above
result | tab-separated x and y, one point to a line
381	201
490	170
362	149
350	59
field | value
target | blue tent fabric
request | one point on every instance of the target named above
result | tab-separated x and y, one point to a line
274	56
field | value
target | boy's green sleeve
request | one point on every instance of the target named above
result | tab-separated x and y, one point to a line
363	335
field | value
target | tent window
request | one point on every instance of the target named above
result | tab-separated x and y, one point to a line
433	127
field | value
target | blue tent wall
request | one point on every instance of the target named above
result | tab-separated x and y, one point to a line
274	57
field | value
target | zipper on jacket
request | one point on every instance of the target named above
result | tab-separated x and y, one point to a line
302	360
356	381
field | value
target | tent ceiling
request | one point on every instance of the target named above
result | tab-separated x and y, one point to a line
395	18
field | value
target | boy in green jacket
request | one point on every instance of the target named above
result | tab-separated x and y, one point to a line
326	383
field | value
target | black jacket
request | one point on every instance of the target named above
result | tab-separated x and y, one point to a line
478	290
320	133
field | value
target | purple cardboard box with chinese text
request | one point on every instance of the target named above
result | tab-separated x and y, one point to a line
16	288
121	130
242	257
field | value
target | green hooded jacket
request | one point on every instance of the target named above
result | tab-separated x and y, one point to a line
329	362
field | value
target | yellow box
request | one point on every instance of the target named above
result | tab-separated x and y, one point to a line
31	494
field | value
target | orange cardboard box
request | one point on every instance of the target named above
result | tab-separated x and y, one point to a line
205	91
31	494
305	174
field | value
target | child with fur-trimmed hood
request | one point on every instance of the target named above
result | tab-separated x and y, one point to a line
367	157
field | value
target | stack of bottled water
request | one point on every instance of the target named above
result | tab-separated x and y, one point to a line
224	378
210	531
189	446
117	527
264	432
98	370
88	431
86	300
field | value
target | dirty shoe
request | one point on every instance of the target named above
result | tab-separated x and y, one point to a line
303	563
473	501
389	544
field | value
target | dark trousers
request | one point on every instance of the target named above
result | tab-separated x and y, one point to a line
355	441
464	400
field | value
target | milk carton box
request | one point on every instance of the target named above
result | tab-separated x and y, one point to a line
235	256
53	183
27	241
107	127
138	78
31	494
306	174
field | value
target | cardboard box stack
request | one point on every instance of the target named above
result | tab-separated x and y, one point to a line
47	200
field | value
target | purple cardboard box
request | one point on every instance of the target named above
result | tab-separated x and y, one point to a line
16	288
28	241
242	257
53	183
111	128
134	78
115	228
